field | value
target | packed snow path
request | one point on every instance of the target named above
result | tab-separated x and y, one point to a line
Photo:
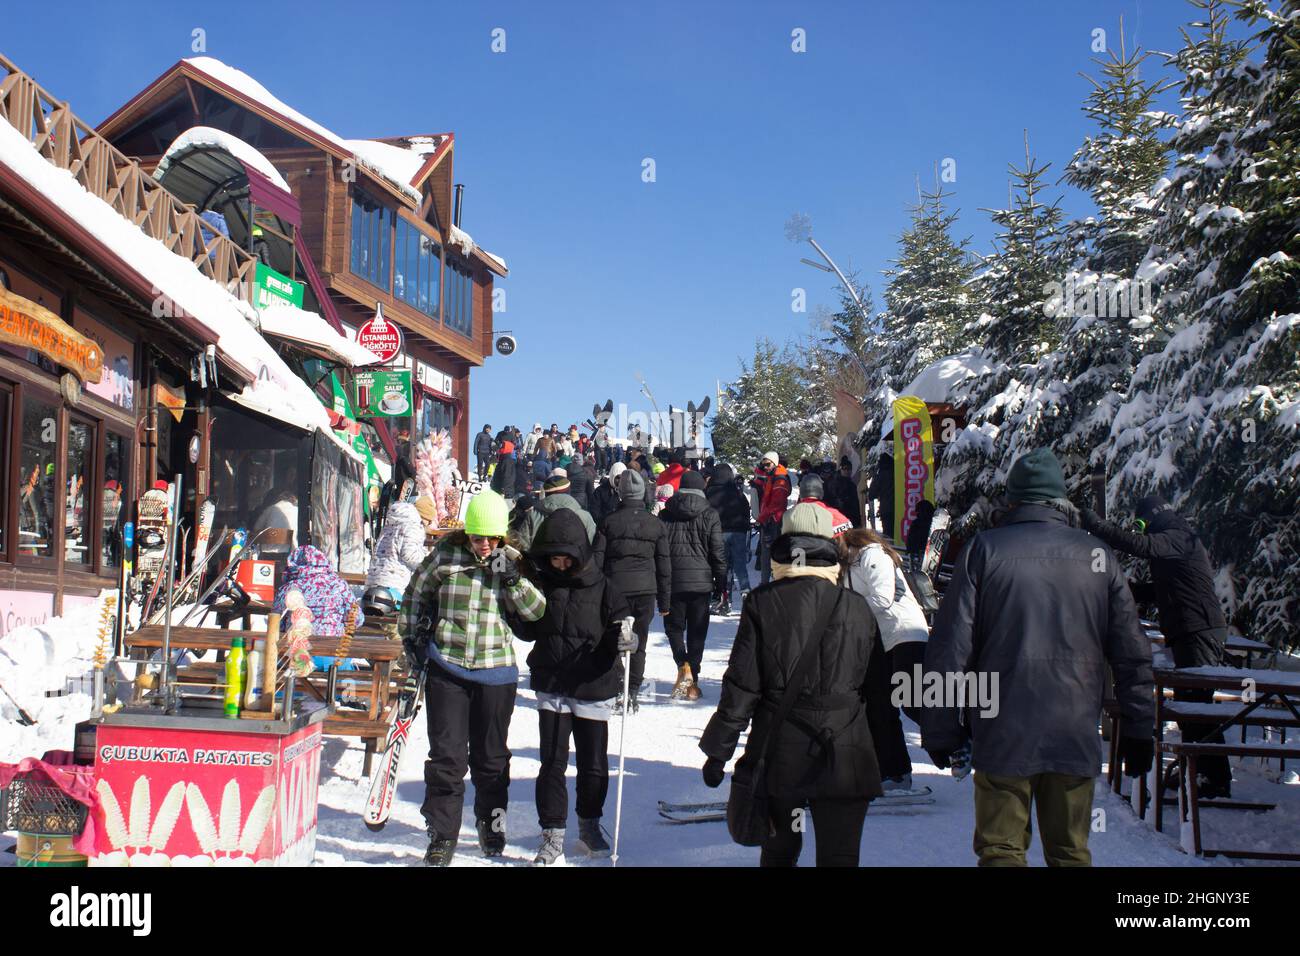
663	763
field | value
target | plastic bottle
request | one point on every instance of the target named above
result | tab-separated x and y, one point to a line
234	677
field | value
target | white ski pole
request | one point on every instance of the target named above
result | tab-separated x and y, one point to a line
622	737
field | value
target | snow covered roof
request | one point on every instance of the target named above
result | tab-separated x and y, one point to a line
178	281
397	164
287	321
459	237
207	136
937	381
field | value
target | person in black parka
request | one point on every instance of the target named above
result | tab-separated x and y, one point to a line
577	674
699	567
726	498
823	755
605	499
1182	589
581	486
503	476
632	549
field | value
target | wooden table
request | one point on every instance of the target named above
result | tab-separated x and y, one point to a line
1257	690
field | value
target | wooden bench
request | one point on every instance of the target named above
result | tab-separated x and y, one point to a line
378	684
1189	800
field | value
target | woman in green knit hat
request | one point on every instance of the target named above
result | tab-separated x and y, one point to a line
454	614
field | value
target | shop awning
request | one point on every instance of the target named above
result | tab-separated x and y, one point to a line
262	400
203	164
311	333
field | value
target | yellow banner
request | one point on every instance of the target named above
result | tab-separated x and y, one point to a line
913	462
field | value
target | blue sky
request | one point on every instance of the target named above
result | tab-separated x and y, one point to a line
611	275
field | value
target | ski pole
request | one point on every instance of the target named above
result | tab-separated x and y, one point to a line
622	737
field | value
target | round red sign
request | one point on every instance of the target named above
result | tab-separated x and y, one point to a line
382	337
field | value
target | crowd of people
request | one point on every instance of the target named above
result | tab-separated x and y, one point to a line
576	557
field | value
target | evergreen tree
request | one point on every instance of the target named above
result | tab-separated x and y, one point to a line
771	406
1211	420
928	299
1025	261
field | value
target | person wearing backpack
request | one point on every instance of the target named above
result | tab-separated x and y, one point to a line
802	669
874	569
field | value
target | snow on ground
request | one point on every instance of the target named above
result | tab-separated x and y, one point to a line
664	764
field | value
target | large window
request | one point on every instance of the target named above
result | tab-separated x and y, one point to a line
460	300
416	268
372	230
436	416
79	479
6	411
37	500
117	489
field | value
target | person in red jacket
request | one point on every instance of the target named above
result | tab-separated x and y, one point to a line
672	475
773	483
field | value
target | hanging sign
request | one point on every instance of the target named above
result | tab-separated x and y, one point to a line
31	325
382	394
913	462
382	337
270	286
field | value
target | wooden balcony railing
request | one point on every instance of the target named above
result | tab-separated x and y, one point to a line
104	171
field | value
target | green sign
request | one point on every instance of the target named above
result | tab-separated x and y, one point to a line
270	286
359	444
382	393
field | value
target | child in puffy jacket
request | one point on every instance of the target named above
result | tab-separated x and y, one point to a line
327	596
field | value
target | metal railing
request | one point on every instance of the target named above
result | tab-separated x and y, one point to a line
68	143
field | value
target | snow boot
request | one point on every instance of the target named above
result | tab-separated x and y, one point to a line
693	691
684	682
903	782
551	852
441	850
491	841
591	837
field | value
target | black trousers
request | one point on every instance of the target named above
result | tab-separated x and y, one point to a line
687	625
591	741
483	467
882	716
468	726
642	608
838	825
1201	649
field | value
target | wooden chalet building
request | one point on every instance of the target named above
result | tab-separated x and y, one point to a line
376	222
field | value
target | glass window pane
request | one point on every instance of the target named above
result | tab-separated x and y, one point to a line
385	224
358	236
36	498
78	505
117	464
6	408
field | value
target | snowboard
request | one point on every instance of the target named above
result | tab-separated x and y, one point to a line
151	543
207	512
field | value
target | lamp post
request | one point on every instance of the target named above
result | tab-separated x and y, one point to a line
799	228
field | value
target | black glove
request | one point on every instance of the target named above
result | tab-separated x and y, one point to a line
1136	753
1089	519
505	568
940	757
715	771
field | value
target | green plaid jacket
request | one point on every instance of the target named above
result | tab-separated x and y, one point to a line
464	596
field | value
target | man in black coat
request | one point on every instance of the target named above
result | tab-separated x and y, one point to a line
483	450
1182	588
726	498
632	549
605	499
823	755
699	569
503	477
581	485
1042	608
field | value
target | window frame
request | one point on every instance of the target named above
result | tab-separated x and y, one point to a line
27	391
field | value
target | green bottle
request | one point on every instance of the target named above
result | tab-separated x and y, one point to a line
234	677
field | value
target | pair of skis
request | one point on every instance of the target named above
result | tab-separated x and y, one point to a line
717	811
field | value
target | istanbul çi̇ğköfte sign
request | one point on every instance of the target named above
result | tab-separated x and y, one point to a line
382	337
30	325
